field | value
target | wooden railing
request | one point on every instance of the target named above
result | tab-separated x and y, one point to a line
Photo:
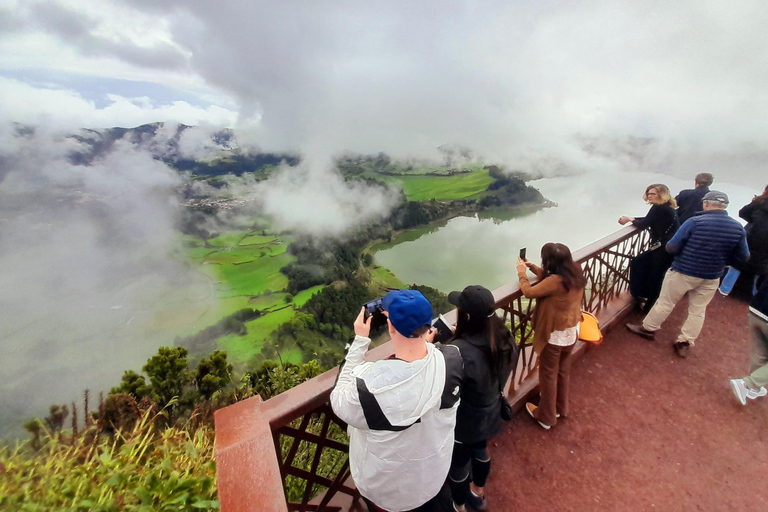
257	442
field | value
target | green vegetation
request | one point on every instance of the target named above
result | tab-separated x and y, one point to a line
254	277
245	347
138	469
460	186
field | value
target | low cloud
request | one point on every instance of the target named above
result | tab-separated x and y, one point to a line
315	200
86	257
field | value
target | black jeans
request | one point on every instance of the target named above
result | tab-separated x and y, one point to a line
466	456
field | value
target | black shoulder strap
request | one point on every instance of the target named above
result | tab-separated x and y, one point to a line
454	372
374	416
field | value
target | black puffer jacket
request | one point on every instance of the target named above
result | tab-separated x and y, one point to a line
478	417
756	214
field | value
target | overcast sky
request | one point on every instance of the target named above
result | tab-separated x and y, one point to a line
536	85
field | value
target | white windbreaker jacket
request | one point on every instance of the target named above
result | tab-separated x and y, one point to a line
401	418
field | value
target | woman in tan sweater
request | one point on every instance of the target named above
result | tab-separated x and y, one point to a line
558	293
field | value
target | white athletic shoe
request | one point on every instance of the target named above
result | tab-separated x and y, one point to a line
742	392
739	388
756	393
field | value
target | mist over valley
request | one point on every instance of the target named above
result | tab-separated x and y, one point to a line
242	177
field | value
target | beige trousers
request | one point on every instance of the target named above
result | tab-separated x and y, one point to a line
700	292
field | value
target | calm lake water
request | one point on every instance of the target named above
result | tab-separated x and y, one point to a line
475	250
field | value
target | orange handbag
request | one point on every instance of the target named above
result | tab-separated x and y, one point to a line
589	329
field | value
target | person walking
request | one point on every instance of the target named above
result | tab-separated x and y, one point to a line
756	215
488	353
703	246
556	317
646	271
753	385
401	411
689	200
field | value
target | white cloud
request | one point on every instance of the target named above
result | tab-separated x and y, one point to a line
66	109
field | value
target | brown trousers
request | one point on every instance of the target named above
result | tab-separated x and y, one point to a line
554	374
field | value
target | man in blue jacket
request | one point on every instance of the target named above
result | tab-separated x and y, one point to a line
753	386
703	246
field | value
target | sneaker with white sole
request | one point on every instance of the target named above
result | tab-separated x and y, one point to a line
739	388
742	392
756	393
531	409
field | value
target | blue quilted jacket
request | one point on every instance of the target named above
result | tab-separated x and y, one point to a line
706	243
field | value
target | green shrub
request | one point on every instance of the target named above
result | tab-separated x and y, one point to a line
143	469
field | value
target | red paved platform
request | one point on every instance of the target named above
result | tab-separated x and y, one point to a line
647	431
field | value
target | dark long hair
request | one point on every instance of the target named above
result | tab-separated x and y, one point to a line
496	333
556	259
762	198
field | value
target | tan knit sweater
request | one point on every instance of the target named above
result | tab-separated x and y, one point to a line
556	309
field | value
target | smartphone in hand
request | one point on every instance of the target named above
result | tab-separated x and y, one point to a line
522	253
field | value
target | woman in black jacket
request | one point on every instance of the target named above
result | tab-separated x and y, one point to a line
488	352
756	215
646	271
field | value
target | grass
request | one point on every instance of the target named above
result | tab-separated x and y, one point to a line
232	256
460	186
139	470
291	355
268	302
227	239
382	279
255	277
257	239
303	296
242	348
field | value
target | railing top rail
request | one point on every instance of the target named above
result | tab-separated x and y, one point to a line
309	395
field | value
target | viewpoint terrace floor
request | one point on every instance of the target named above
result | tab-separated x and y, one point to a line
647	430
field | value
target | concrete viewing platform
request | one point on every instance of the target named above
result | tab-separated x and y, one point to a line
647	430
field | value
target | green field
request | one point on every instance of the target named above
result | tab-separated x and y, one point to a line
303	296
460	186
255	277
257	239
384	279
243	348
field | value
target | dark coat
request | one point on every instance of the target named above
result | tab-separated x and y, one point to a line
689	202
646	271
479	416
662	222
759	305
756	214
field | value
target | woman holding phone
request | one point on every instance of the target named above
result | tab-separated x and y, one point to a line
556	317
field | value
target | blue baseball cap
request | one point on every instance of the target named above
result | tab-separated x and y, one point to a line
408	310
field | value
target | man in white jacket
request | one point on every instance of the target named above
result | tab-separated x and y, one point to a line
401	411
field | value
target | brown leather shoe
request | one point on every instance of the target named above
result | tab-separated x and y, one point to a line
681	348
641	331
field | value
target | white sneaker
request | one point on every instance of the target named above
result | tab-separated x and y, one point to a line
756	393
739	388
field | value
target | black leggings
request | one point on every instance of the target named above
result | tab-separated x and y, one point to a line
466	457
